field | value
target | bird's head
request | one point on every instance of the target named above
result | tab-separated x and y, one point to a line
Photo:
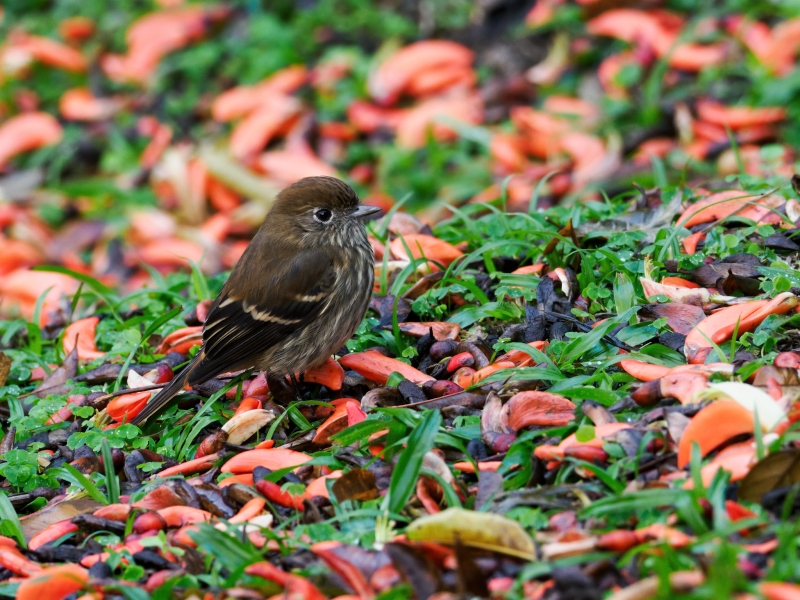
320	211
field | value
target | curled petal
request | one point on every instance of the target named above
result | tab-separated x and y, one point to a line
377	367
53	583
25	132
715	424
81	334
272	458
543	409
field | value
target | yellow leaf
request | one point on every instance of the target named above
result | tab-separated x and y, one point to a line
475	529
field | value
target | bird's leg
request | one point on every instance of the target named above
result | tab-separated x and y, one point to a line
296	386
281	390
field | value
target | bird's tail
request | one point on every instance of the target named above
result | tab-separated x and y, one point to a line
166	394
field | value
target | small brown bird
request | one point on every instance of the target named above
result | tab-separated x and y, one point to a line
297	294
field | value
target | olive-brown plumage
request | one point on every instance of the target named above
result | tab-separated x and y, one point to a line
297	294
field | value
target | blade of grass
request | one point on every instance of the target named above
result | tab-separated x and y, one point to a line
409	463
69	473
112	481
10	520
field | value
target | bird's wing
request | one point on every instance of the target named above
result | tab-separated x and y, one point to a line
238	331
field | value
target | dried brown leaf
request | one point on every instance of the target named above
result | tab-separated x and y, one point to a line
776	470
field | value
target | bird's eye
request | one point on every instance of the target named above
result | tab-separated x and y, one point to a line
323	215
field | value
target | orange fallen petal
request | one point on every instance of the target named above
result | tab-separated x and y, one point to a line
159	142
755	35
49	52
13	560
542	409
251	509
292	164
242	100
535	269
440	81
723	204
475	378
155	35
273	459
256	130
414	124
81	334
715	424
336	422
52	533
296	587
507	150
25	132
647	372
319	486
685	386
76	29
221	197
190	467
179	337
643	371
608	72
629	25
421	245
674	293
273	492
695	57
377	367
64	413
556	453
158	498
779	590
345	569
127	406
636	26
246	405
79	104
18	254
368	118
330	374
53	583
244	479
737	117
518	357
393	76
719	327
114	512
487	465
680	282
691	242
663	533
784	46
178	516
737	460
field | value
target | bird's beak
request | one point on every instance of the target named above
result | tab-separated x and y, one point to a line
365	211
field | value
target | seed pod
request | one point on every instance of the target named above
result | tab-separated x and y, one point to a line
212	443
463	359
617	541
442	349
243	426
164	373
437	389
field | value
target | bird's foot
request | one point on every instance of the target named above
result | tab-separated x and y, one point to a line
284	392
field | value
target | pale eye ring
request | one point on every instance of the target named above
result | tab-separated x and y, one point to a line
323	215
